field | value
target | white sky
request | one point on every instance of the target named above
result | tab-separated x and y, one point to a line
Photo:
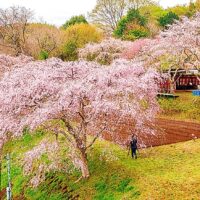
58	11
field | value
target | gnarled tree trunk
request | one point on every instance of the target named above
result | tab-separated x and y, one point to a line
84	167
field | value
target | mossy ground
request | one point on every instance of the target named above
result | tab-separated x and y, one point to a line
168	172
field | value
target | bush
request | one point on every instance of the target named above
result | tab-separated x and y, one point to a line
168	19
132	27
75	20
136	34
135	15
43	55
69	51
121	27
77	36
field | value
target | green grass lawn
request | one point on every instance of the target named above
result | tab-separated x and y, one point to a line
168	172
185	108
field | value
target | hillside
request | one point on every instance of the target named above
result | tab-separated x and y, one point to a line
184	108
166	172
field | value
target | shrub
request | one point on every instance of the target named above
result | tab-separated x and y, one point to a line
77	36
75	20
132	27
121	27
168	19
69	51
135	15
136	34
43	55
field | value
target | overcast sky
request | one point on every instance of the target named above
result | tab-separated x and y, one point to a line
58	11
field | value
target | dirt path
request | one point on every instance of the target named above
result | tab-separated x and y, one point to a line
177	131
170	131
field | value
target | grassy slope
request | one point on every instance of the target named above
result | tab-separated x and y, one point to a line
167	172
185	108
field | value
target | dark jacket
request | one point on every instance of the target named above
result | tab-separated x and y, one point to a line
133	144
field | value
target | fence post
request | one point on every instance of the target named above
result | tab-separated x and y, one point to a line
0	169
8	189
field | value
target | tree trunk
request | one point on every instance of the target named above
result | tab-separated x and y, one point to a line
84	167
172	86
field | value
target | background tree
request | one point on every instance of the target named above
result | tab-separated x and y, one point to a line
191	9
107	13
168	19
14	27
179	10
78	99
138	4
75	20
75	37
152	13
197	5
132	27
43	40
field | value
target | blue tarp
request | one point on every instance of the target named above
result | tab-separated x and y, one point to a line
196	92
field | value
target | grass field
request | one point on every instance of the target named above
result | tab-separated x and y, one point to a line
161	173
185	108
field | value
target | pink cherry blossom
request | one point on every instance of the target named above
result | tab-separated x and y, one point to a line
177	47
135	48
104	52
88	99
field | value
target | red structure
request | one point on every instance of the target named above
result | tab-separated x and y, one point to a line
184	81
187	82
164	86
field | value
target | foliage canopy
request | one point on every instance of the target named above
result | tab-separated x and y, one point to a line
75	20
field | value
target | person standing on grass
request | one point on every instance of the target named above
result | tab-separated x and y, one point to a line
133	146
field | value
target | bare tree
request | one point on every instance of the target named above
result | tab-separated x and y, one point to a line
107	13
136	4
43	37
13	28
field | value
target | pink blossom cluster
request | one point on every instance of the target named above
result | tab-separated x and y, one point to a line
135	48
104	52
32	161
177	47
7	63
